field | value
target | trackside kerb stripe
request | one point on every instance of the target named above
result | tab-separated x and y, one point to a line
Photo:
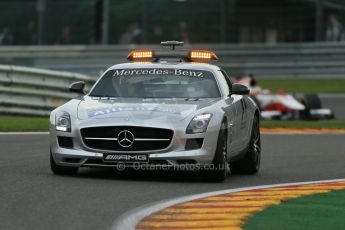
230	210
278	130
130	219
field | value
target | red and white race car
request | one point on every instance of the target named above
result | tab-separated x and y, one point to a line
284	106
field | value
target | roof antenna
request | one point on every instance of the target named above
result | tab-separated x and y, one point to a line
172	44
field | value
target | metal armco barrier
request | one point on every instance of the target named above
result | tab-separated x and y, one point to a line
295	60
31	91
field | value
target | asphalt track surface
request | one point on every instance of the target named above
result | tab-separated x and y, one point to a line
336	103
31	197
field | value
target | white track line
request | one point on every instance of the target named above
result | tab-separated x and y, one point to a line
263	133
130	219
24	133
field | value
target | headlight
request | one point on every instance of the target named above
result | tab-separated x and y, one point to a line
199	123
63	122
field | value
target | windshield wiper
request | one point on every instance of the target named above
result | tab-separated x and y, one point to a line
103	96
98	96
193	99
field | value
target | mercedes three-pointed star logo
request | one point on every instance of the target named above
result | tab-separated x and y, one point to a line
125	138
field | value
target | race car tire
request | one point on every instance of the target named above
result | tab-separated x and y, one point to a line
218	171
311	101
61	170
250	163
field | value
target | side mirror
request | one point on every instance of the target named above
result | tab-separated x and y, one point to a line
239	89
77	87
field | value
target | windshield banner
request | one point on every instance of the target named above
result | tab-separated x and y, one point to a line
150	72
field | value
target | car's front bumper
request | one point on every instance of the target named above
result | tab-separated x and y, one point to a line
82	156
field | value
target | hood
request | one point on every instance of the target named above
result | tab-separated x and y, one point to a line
139	109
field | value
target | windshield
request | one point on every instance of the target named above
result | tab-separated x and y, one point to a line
157	83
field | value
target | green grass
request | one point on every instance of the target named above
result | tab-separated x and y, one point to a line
322	211
304	85
30	124
23	124
329	124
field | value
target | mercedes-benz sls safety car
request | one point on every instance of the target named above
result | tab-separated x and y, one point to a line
166	108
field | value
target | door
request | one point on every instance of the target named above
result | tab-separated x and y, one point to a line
234	114
243	123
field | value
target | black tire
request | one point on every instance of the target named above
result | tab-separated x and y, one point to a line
220	164
61	170
250	163
310	101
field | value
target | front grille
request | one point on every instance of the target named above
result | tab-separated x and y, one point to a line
145	139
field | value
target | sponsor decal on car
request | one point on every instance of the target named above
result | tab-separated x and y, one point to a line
116	109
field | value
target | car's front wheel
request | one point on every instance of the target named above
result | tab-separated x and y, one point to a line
61	170
217	172
250	163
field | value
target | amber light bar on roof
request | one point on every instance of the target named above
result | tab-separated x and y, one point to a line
150	55
140	54
202	55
